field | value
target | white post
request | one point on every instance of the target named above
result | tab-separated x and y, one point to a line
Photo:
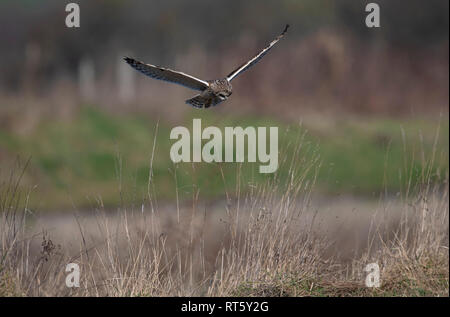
86	79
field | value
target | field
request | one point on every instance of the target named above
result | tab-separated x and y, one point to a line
94	154
310	229
361	193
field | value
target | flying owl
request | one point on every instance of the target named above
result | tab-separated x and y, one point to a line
212	92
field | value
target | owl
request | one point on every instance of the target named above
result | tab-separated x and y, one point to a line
212	92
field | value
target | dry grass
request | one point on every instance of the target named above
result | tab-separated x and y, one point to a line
261	243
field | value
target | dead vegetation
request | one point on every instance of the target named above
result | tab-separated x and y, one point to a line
261	243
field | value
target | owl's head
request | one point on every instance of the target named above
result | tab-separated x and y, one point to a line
224	89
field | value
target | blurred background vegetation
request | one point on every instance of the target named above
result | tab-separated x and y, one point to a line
372	100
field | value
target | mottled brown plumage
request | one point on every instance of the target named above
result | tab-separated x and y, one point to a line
219	90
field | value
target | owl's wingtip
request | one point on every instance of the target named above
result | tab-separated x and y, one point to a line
127	59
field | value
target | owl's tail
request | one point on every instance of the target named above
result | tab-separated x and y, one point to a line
202	101
199	101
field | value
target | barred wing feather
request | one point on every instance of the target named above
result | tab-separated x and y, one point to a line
168	75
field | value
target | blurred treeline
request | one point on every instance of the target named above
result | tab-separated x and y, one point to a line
329	62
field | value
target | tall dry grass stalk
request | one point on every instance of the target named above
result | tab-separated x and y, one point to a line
265	239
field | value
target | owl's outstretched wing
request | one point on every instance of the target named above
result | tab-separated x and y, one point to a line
256	59
168	75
